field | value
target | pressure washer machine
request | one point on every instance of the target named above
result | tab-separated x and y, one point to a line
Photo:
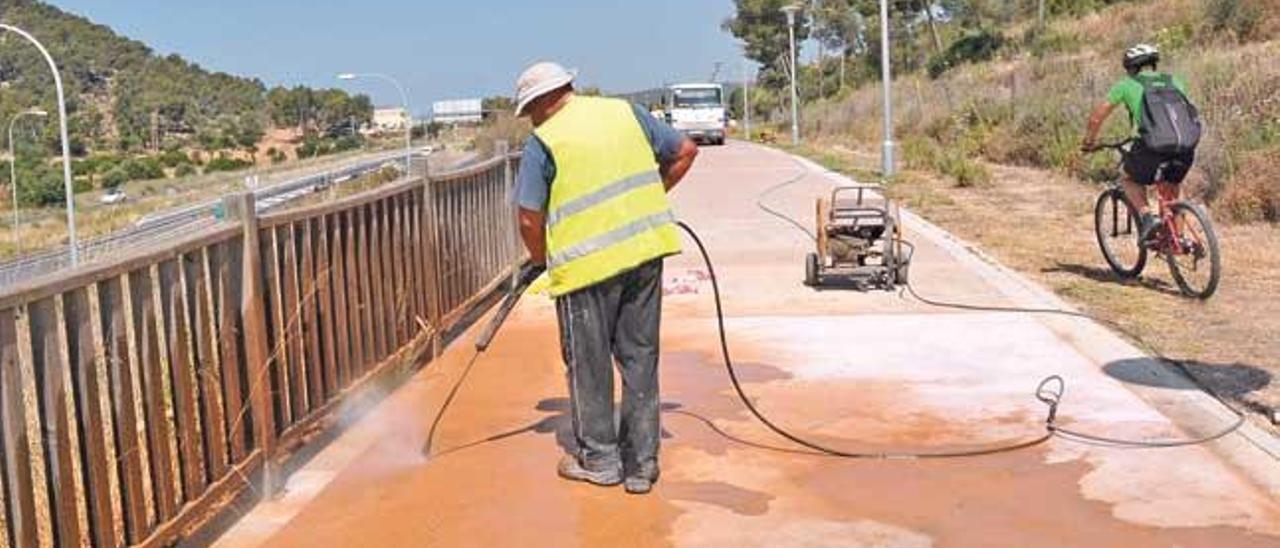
859	241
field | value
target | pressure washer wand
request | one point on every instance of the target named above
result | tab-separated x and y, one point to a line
526	279
508	304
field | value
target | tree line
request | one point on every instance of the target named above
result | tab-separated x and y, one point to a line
932	35
125	100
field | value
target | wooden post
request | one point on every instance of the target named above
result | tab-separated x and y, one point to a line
241	207
431	250
502	149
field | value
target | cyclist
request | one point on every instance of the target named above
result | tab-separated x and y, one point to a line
1143	166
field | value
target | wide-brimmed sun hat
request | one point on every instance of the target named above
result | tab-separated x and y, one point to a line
539	79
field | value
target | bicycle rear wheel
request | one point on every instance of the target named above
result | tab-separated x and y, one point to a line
1195	261
1115	221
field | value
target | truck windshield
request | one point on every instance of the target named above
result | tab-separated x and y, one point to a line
693	98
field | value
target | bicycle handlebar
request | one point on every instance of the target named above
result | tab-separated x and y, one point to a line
1117	146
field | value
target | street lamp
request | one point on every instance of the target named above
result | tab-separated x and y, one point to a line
404	101
13	170
791	32
886	77
66	147
746	100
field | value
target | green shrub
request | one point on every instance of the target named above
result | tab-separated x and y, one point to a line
139	169
116	177
1051	41
277	156
173	158
966	172
223	163
1239	18
184	170
40	186
346	142
975	46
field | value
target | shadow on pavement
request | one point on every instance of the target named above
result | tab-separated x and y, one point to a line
558	424
1234	382
1106	275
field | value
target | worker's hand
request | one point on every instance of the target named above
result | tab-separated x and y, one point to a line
531	273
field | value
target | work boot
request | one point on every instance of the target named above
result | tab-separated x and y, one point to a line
641	481
637	485
571	469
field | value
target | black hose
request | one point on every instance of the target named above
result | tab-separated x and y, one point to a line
1042	393
453	392
1052	425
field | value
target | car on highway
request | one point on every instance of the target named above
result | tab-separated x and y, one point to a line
113	196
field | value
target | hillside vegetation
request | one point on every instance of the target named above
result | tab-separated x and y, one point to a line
134	114
984	80
990	120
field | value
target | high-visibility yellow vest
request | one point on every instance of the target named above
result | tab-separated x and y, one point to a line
608	211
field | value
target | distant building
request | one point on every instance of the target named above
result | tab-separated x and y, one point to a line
458	111
389	119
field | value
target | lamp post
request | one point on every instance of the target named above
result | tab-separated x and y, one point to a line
746	100
404	102
886	149
13	170
72	242
795	109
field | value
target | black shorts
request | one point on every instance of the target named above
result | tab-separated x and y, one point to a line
1146	167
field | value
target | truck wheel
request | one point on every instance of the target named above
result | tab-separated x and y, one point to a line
811	270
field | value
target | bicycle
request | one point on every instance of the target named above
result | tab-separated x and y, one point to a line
1185	236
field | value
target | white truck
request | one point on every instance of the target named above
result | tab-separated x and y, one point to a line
698	110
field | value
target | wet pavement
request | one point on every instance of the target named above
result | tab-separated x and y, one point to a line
871	371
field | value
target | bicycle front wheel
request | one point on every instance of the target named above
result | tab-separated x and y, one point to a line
1115	221
1192	252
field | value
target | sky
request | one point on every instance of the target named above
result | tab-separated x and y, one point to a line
437	49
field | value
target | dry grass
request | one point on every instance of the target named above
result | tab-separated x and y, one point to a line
1039	223
1029	108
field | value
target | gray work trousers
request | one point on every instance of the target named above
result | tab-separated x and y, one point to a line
617	319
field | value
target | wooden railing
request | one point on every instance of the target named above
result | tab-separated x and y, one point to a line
139	396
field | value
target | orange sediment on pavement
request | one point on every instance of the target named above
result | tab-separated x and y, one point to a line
858	371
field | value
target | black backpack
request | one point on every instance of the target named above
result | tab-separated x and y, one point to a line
1170	123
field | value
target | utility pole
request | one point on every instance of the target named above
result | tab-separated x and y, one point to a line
795	108
746	100
886	150
72	242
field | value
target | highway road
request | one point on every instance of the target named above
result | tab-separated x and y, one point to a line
161	226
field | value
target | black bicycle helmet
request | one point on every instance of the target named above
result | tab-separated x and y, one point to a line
1140	56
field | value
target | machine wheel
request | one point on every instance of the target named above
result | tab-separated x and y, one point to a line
811	272
822	211
902	263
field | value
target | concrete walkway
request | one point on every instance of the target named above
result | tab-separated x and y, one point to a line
862	371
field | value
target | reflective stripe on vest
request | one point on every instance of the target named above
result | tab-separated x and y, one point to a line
611	190
612	237
608	211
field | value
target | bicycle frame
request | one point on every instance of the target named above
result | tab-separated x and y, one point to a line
1170	239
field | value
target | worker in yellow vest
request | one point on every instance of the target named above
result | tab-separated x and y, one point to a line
593	209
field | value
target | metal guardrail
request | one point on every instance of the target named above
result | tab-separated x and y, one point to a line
164	226
140	394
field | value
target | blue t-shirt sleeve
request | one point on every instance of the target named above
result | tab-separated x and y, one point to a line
533	182
538	168
664	139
